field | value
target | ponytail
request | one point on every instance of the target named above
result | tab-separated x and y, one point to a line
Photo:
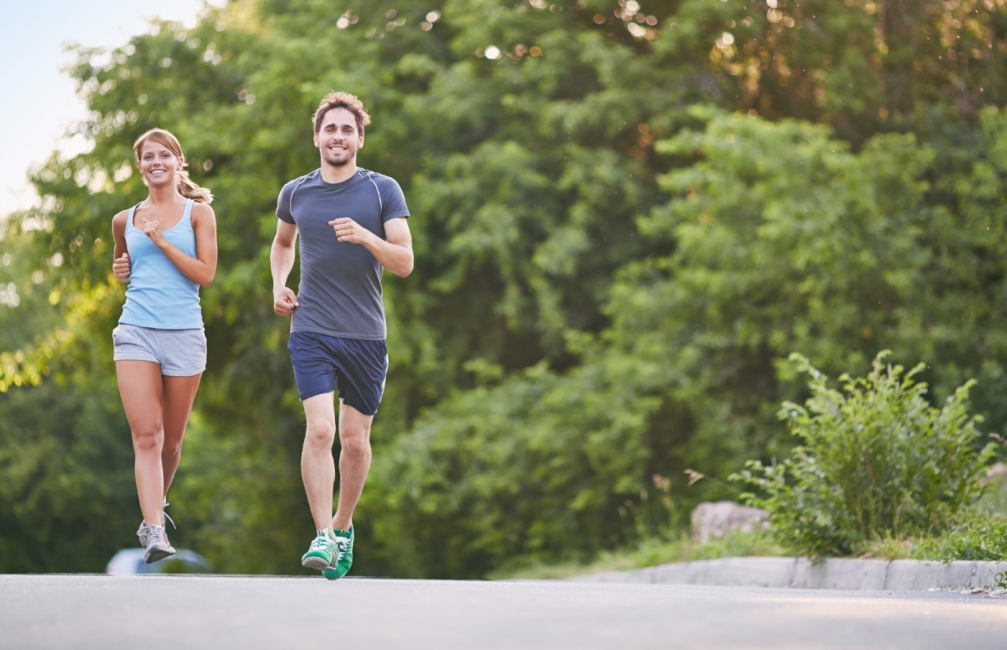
190	190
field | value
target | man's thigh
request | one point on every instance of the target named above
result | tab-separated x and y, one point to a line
362	367
314	364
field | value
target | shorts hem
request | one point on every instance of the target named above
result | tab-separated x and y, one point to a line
181	373
361	409
315	393
128	357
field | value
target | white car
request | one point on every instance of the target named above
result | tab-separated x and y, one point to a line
130	561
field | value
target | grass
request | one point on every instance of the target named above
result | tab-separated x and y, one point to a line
649	552
979	537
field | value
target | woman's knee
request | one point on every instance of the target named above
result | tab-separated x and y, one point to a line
171	448
149	437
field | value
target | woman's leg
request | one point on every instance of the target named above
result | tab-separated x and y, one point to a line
140	389
179	393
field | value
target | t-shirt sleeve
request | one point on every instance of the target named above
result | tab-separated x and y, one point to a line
283	203
393	202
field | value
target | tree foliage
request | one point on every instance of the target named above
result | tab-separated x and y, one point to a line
626	215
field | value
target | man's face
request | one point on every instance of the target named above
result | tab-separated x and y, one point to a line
338	138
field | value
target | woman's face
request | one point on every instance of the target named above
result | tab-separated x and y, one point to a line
158	165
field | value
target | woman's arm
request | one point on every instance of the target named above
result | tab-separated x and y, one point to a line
203	267
120	258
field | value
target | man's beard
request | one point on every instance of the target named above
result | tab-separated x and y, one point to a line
335	162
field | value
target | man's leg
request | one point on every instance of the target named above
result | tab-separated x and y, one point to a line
317	467
354	462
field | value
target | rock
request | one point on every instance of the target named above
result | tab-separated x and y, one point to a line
996	470
716	519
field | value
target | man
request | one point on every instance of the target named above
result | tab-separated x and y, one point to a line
352	223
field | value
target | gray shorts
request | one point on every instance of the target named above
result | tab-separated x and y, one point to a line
180	353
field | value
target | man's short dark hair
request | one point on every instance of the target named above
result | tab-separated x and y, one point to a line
342	100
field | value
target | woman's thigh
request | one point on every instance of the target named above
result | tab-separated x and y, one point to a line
179	394
140	387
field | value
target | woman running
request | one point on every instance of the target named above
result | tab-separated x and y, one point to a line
166	249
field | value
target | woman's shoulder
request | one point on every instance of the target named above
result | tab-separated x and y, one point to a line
119	220
202	219
201	210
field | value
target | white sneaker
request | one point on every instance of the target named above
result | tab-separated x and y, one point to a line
155	540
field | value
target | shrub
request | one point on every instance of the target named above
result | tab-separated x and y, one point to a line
983	537
875	460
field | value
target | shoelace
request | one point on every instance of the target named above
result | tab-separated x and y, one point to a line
149	534
156	534
343	544
165	515
320	543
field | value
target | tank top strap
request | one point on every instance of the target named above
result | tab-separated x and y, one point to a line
187	213
129	217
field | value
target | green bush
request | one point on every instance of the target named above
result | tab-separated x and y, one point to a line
981	538
875	460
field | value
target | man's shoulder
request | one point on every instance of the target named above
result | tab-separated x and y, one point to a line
379	179
300	181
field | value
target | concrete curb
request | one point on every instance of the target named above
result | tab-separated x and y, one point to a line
801	573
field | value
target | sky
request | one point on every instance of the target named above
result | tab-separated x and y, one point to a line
37	100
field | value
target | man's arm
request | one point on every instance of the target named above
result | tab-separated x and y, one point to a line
395	252
281	263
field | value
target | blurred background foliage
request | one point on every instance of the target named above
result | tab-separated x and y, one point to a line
626	216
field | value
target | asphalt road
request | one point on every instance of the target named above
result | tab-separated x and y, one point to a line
154	612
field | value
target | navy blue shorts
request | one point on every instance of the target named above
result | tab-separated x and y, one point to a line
355	367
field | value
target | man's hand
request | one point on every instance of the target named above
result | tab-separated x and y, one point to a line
120	268
351	231
284	301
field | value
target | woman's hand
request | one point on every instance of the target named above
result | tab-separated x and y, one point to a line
153	230
120	268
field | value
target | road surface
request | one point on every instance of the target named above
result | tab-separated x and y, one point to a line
223	612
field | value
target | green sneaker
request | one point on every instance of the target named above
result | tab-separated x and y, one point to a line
322	554
344	541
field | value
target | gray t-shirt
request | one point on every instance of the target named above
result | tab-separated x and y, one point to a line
340	292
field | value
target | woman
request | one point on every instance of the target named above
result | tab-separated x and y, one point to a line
165	248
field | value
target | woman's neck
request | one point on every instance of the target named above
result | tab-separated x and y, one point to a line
160	196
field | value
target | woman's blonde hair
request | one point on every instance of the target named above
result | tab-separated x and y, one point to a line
185	186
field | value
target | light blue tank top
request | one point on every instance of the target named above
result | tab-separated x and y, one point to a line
158	295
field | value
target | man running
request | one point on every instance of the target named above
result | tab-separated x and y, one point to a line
352	222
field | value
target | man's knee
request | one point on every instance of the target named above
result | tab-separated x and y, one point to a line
355	441
321	432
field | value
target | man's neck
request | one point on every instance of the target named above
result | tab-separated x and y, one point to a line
333	174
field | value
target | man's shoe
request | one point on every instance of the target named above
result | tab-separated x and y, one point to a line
344	542
322	554
155	542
